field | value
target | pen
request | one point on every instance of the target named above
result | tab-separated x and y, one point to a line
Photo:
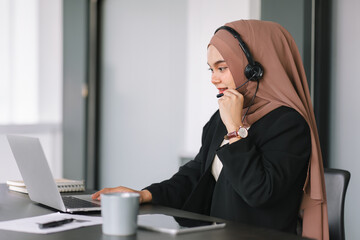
55	223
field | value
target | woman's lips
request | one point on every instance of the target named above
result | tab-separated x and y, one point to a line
222	90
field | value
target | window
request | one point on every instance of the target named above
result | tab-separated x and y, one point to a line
30	61
31	74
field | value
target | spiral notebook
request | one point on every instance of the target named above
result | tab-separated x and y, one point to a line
63	184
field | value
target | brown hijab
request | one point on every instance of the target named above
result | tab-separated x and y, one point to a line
283	84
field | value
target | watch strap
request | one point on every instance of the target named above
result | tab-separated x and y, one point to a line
231	135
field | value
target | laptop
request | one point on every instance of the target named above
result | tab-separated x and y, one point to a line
39	180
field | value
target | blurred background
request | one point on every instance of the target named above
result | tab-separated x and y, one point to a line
118	91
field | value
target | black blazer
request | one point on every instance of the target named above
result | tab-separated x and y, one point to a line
262	177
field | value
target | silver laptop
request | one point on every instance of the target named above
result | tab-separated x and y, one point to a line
39	180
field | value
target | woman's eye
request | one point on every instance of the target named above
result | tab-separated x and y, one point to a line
221	69
211	70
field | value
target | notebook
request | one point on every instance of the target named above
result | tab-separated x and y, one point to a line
63	184
39	180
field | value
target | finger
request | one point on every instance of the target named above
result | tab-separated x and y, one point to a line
227	96
235	95
97	195
222	100
231	92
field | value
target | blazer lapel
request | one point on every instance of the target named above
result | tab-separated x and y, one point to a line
218	137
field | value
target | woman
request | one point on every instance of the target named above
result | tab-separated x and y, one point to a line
260	160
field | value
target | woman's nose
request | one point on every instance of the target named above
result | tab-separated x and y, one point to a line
215	79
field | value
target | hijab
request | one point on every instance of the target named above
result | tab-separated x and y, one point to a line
283	84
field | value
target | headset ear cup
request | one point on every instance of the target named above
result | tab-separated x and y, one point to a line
254	72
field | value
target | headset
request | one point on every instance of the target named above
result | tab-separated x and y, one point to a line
253	71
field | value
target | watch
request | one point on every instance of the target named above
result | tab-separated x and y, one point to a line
241	133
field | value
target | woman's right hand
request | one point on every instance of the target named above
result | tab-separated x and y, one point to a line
145	195
230	108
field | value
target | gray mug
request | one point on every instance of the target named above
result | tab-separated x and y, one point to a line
119	212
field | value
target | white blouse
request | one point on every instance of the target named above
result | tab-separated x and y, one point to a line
217	164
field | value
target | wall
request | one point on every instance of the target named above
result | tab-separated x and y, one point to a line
142	90
344	110
204	17
156	90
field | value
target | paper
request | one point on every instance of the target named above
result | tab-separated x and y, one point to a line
31	225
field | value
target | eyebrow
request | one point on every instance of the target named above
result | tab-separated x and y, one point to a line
218	62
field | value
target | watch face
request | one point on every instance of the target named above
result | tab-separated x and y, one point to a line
243	132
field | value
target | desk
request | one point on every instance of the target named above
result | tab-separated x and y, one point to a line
17	205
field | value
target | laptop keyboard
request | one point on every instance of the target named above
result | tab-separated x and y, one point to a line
73	202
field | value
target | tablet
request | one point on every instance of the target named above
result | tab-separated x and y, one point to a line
175	225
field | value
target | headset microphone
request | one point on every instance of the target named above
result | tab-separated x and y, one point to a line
221	94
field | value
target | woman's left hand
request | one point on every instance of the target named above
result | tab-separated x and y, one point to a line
230	107
145	195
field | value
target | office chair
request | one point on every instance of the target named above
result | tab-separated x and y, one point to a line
336	182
